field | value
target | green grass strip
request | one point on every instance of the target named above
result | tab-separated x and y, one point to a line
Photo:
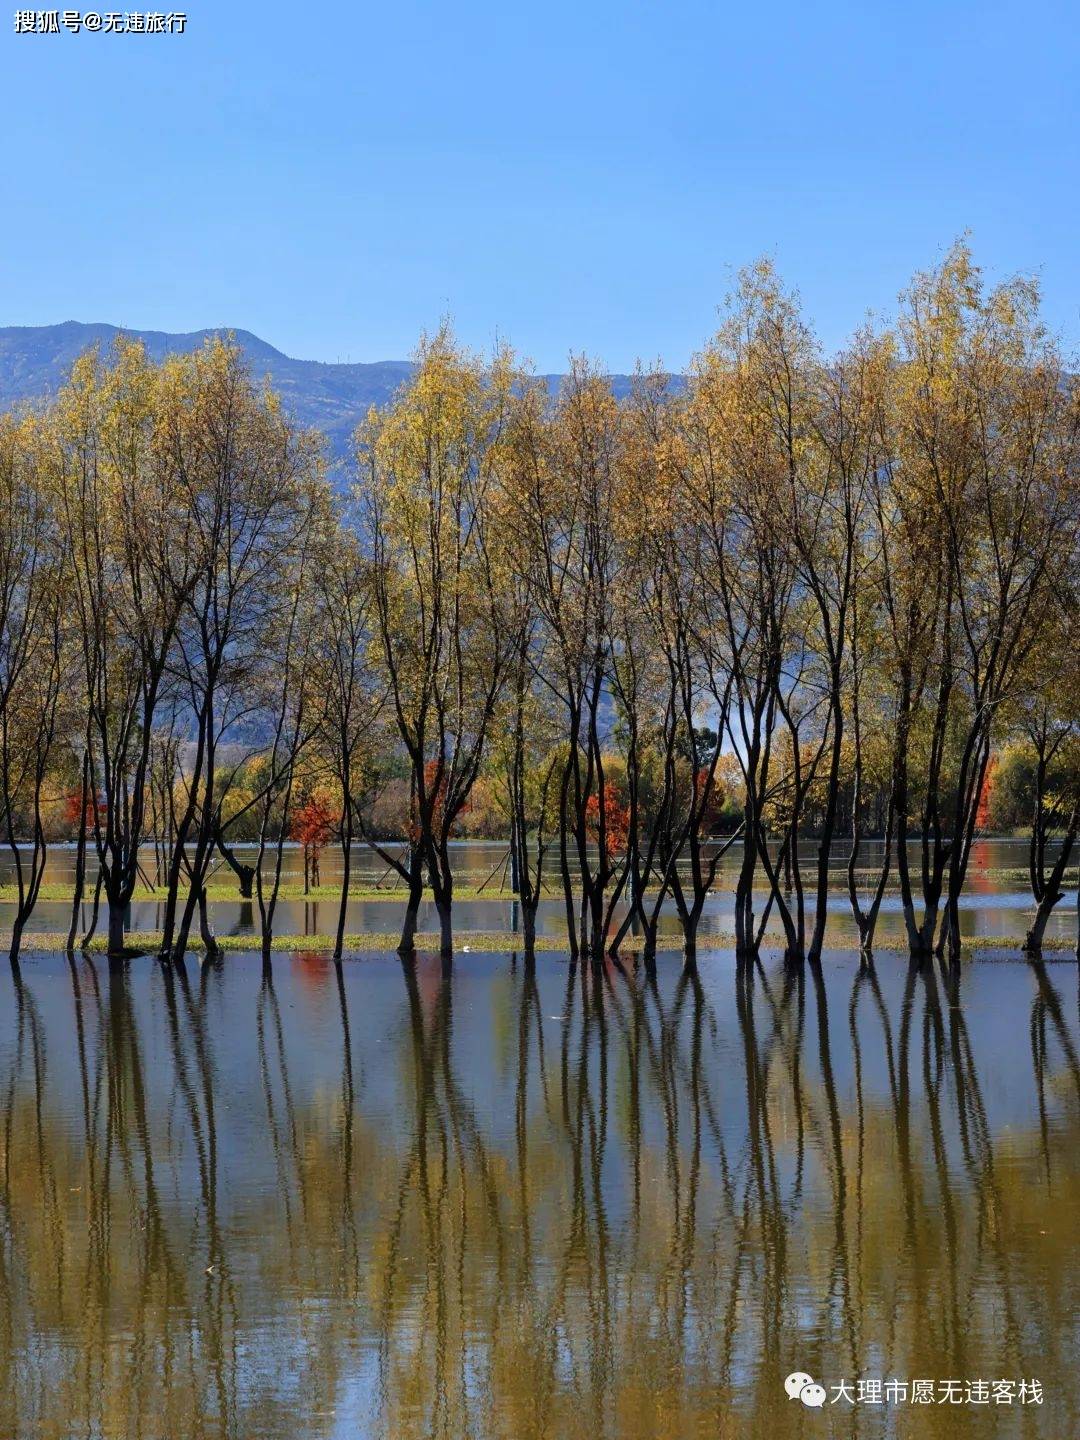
501	941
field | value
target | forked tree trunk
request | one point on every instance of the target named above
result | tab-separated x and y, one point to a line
208	938
1052	894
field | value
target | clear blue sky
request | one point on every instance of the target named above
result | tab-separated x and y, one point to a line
581	176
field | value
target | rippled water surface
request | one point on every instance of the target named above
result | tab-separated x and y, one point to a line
392	1200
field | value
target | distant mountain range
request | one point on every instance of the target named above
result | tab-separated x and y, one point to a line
35	360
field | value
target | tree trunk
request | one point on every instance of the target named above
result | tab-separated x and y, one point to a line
690	921
446	927
690	949
952	929
407	944
208	938
346	870
80	863
244	873
1052	891
744	889
564	862
1034	939
821	906
528	930
116	928
95	910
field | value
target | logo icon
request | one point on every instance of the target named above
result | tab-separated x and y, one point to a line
801	1386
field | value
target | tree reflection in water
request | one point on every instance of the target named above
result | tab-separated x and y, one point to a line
531	1200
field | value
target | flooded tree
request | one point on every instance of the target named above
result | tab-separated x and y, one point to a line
354	694
774	602
989	434
1047	715
253	488
428	468
129	554
34	656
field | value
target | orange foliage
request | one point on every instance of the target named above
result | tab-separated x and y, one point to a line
714	810
616	822
313	824
73	804
982	813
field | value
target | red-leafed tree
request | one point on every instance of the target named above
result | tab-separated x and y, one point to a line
79	810
312	826
616	818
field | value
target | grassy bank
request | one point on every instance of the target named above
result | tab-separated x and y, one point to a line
505	941
496	893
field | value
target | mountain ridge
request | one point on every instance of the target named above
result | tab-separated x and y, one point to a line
35	360
330	395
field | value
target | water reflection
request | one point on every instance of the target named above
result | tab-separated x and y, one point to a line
516	1200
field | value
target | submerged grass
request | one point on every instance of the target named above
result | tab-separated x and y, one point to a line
496	893
502	942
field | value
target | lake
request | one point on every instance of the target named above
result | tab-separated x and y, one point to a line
497	1200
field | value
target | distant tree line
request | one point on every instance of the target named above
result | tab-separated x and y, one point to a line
786	598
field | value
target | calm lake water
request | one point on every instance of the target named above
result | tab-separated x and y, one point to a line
381	1200
997	901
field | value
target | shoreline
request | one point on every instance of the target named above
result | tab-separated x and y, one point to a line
146	942
56	892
